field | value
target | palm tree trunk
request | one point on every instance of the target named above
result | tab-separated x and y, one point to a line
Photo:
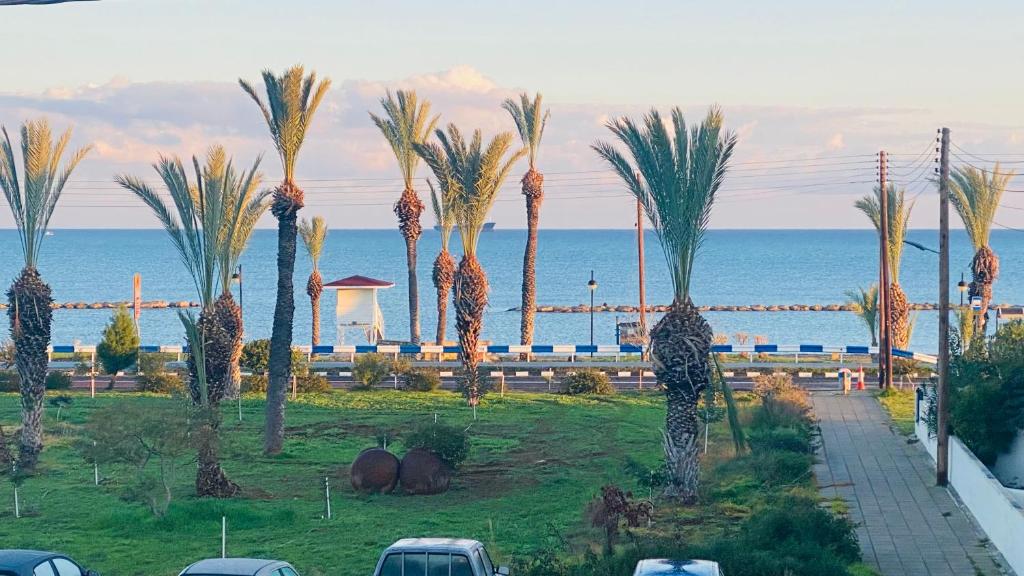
533	189
680	349
444	278
211	481
315	287
899	316
6	458
31	318
470	302
286	204
408	209
984	269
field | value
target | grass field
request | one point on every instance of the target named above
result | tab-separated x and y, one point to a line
535	461
900	405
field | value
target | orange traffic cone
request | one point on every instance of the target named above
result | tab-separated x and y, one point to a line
860	379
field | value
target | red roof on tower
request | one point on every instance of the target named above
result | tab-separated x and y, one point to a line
359	282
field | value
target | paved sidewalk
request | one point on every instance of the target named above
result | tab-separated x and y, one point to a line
907	525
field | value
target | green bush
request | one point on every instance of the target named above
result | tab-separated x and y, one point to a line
312	383
782	403
10	381
449	443
781	468
589	381
780	439
154	362
160	383
369	370
421	380
254	384
58	380
119	348
256	358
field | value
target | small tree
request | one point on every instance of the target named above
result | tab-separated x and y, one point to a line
120	346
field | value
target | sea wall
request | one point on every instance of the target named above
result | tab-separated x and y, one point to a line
109	305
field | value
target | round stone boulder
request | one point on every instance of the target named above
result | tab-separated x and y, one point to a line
375	471
422	472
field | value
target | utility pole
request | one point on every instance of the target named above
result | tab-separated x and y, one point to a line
640	260
942	405
884	300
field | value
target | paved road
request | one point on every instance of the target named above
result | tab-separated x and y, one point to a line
908	526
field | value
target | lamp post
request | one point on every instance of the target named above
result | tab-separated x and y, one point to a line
236	278
592	285
962	287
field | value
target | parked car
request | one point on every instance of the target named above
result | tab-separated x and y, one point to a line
663	567
239	567
38	563
437	557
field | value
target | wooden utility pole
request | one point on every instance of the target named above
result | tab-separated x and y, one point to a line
640	261
884	299
942	405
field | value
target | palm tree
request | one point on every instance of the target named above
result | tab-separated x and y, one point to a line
407	123
313	235
976	195
292	100
209	223
32	199
899	215
444	264
675	176
530	119
864	303
475	174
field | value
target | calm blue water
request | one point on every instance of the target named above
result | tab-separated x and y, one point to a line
735	267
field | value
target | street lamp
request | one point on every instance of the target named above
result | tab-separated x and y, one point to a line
236	278
962	287
592	285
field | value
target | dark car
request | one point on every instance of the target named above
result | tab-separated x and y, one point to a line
239	567
662	567
38	563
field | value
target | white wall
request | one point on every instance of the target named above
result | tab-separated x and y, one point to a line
998	510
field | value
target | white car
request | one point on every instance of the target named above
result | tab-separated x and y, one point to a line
437	557
664	567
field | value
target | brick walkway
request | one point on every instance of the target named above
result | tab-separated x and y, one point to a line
906	524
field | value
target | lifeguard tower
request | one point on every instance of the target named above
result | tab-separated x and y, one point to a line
357	309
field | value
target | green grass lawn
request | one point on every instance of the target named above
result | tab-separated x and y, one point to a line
900	406
535	461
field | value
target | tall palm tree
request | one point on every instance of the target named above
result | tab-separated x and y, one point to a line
292	100
675	176
313	235
476	174
444	264
530	119
406	123
864	303
899	215
976	195
32	199
209	222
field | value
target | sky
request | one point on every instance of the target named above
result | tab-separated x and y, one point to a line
812	89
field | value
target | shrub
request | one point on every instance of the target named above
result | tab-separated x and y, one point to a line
449	443
782	403
781	468
781	439
256	358
312	383
10	381
154	362
119	348
421	380
160	383
254	384
369	370
615	509
589	381
6	354
58	380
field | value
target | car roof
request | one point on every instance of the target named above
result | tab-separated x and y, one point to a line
446	544
14	559
232	566
678	567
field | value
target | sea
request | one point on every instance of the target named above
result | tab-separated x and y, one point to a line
734	267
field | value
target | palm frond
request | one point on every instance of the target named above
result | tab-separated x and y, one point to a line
313	233
675	176
406	122
291	101
864	303
33	197
530	119
443	205
899	217
976	194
